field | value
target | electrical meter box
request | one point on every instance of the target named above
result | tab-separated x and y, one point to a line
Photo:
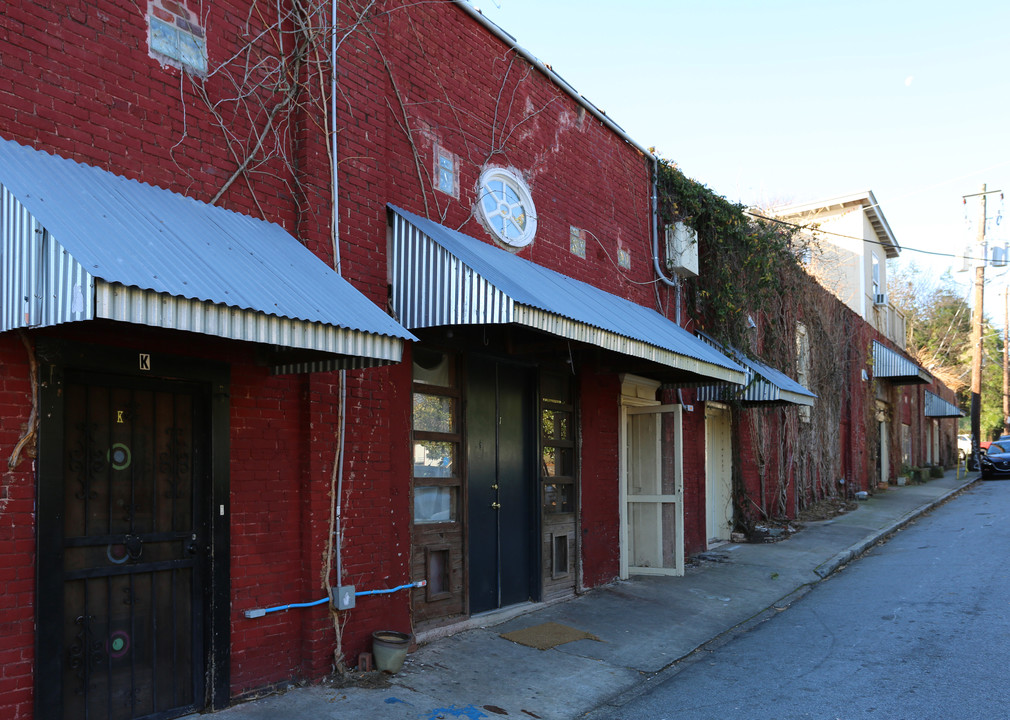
682	249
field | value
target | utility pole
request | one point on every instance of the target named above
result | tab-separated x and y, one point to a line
1006	377
976	330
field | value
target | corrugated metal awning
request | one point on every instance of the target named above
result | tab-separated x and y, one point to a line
896	368
765	385
937	407
443	277
79	243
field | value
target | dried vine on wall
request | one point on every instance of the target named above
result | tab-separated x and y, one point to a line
752	293
273	92
265	100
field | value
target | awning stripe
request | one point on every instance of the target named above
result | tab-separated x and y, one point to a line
936	406
41	283
896	368
432	287
442	277
144	307
765	384
71	231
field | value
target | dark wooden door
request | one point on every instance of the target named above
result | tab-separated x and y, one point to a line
134	541
500	485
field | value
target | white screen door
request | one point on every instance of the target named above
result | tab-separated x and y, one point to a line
652	491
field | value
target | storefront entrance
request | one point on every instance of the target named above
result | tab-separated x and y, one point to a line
652	488
126	616
501	482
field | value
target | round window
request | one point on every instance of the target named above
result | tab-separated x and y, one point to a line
506	207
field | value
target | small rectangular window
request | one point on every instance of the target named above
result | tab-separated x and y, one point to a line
557	462
557	443
558	498
434	458
176	38
438	573
556	388
577	242
435	440
434	413
446	171
434	504
623	258
432	367
559	555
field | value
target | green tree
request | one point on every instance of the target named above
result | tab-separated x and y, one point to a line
938	320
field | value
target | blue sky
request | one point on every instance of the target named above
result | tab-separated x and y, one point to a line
777	101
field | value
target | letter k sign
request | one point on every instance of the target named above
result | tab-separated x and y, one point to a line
145	361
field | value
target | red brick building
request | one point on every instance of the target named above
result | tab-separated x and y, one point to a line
424	358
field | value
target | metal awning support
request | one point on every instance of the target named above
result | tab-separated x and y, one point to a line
896	368
765	385
937	407
78	243
443	277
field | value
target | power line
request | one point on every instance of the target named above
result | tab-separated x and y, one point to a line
812	229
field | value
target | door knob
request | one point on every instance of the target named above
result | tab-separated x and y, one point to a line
495	506
495	486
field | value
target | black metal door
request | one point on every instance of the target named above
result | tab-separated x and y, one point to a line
500	483
135	463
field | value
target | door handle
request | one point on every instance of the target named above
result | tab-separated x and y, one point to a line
134	546
495	506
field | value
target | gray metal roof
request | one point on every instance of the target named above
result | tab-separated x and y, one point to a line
936	406
443	277
133	236
894	367
765	384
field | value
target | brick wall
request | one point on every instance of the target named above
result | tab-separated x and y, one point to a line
17	536
599	418
78	79
695	511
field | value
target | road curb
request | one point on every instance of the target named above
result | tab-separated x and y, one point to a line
604	710
846	556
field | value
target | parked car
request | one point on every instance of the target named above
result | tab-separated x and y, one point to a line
995	461
964	446
964	449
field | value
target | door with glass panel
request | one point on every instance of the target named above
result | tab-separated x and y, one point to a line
438	552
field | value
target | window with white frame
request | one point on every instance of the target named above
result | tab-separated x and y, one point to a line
506	207
878	285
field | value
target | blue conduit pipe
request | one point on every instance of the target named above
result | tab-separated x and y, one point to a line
419	583
260	612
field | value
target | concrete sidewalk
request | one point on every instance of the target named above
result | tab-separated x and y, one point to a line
644	626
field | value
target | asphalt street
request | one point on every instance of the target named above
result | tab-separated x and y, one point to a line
918	628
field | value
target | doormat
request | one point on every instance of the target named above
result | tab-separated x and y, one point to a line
548	635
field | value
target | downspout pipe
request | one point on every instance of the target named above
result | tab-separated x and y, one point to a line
335	223
333	138
675	283
340	477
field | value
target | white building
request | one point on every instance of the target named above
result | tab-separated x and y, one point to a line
851	243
